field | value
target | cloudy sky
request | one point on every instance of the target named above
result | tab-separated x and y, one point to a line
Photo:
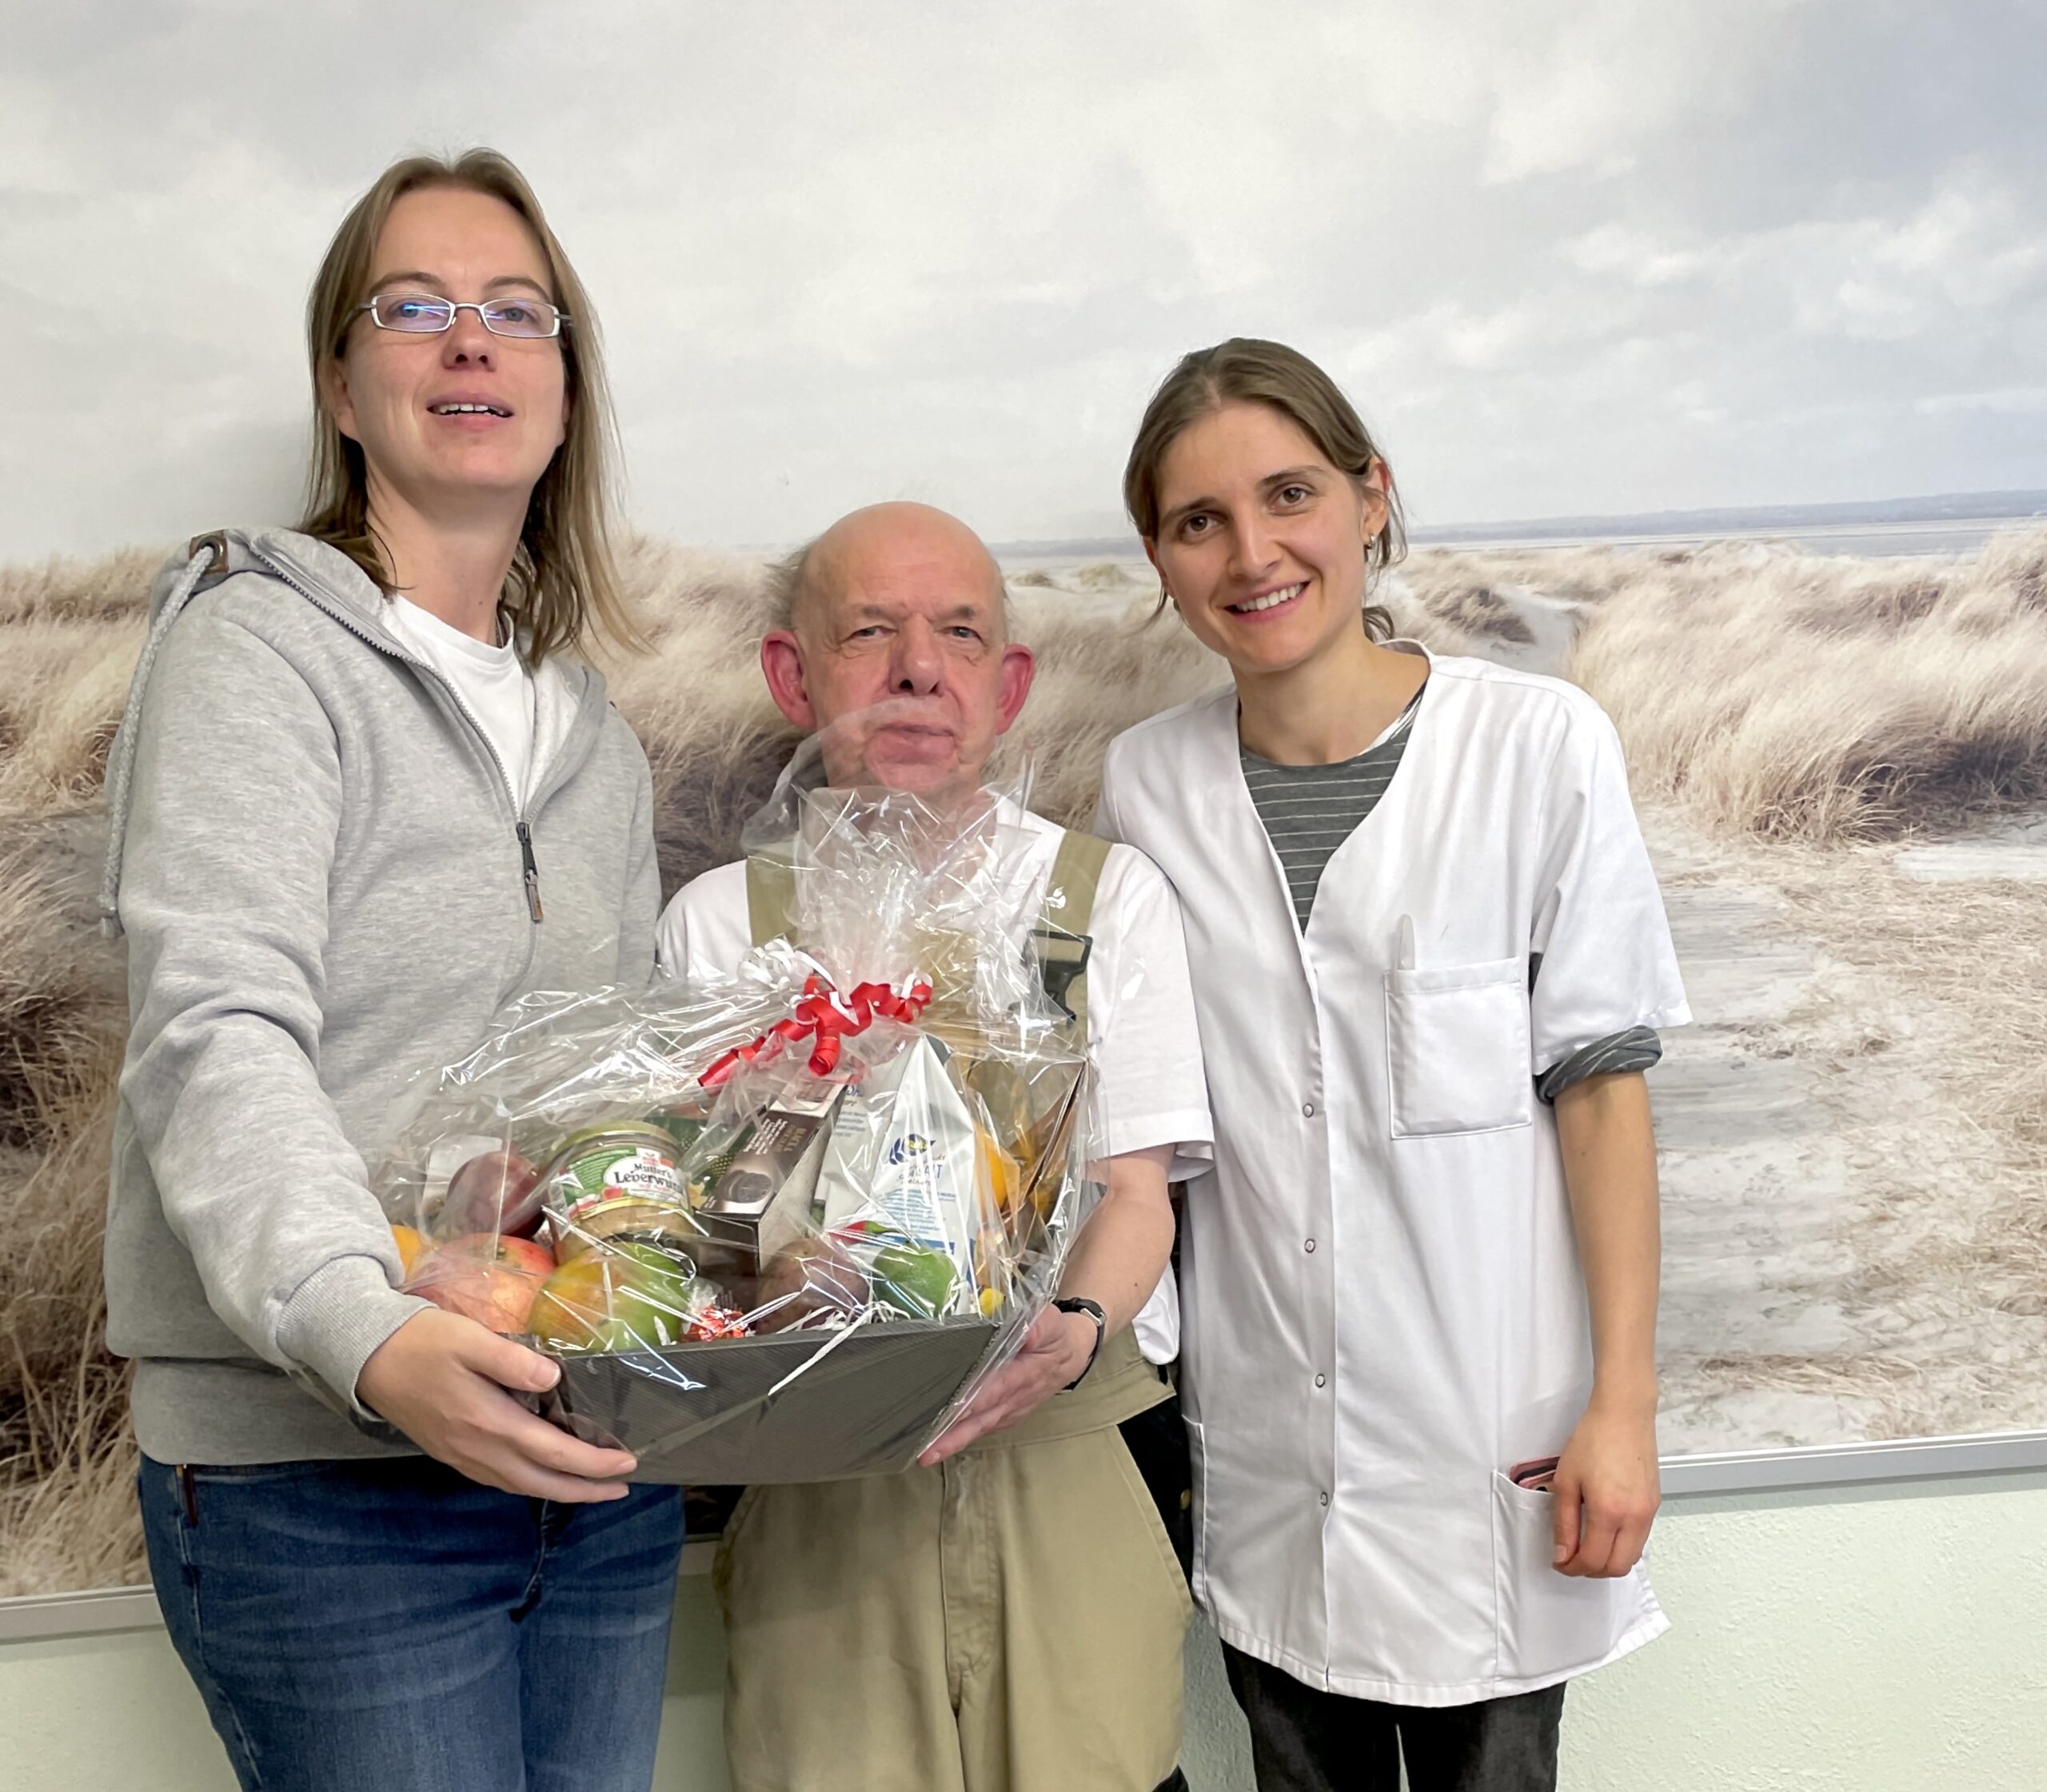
1598	256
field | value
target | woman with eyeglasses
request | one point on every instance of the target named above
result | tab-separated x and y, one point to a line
365	793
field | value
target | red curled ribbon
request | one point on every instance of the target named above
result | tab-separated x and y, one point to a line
822	1016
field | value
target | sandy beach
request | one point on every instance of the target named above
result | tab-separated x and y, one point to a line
1840	1258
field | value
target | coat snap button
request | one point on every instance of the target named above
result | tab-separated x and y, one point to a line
1322	1381
1307	1107
1309	1246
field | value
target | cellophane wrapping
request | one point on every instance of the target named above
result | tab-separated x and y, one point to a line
777	1226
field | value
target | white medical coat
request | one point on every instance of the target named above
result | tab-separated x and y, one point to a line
1383	1309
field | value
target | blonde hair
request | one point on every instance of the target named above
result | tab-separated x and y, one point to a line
1248	371
563	588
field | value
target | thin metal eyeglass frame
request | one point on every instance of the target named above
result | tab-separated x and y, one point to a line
455	305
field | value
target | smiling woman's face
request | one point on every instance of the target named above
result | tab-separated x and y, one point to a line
1262	541
411	401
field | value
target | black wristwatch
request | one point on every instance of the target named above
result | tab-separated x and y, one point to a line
1082	1304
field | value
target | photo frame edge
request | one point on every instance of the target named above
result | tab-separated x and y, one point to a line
1847	1465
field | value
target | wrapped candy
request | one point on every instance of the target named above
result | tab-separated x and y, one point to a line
779	1225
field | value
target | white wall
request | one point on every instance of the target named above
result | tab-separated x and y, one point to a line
1889	1639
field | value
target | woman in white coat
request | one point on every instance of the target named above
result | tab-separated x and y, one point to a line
1430	962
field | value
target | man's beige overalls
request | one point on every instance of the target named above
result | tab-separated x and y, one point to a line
1010	1621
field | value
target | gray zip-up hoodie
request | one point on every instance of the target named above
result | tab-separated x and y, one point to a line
326	887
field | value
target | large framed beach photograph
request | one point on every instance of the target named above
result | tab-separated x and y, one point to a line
1710	349
1836	725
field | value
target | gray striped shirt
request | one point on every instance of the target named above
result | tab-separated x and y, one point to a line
1309	811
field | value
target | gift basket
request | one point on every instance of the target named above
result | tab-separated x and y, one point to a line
777	1226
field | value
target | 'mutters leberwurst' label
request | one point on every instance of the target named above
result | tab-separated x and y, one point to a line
612	1167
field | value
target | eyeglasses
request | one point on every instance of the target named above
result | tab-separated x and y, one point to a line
425	314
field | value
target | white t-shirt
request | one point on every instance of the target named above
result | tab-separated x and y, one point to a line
493	683
1141	1029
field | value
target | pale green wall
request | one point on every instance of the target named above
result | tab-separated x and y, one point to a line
1893	1640
1888	1640
94	1714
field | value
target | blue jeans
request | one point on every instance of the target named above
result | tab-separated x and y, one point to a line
392	1626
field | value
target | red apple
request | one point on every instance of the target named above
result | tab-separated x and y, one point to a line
491	1279
498	1191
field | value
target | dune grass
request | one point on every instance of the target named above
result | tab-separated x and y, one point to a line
1806	703
1794	697
61	1396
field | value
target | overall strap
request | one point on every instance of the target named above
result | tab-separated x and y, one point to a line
1062	936
771	898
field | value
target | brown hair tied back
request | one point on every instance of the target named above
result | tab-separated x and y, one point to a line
1248	371
564	588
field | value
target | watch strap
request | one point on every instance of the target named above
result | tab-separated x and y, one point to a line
1080	1304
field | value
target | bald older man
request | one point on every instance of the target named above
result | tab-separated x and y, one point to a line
1009	1616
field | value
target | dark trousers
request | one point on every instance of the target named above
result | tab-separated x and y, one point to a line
1303	1740
1156	1439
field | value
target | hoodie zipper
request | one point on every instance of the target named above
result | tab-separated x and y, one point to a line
530	872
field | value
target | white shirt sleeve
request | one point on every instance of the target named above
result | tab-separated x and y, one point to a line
1157	1326
1607	961
672	939
706	929
1141	1027
1141	1024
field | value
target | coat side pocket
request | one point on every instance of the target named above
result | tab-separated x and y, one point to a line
1553	1626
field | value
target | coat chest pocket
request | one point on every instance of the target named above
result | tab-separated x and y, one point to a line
1457	1048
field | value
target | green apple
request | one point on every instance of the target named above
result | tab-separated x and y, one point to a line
623	1294
915	1279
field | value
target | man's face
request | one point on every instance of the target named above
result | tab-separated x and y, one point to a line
898	658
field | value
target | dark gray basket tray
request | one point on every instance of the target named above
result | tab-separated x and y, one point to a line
703	1414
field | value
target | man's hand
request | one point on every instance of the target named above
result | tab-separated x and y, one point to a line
441	1379
1056	1350
1115	1261
1607	1490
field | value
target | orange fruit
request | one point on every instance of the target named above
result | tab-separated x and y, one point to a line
411	1246
1002	1171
